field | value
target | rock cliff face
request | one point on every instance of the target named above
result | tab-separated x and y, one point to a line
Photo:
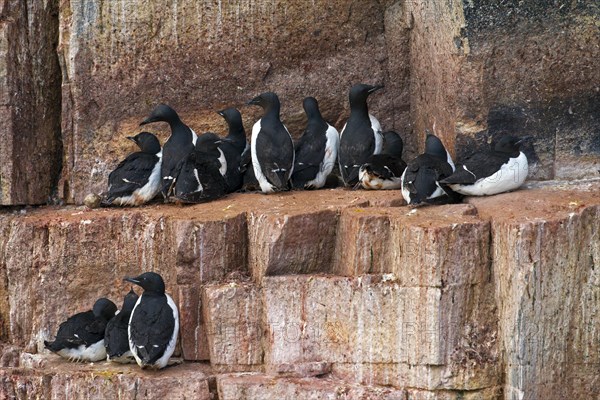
331	294
491	299
471	71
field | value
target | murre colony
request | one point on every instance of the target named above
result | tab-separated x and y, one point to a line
191	168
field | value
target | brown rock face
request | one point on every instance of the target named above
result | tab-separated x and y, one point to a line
493	298
30	148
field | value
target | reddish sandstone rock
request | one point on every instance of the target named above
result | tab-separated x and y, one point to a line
30	109
256	386
545	262
59	379
233	324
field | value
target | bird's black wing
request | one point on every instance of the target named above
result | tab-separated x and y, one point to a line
354	153
387	166
199	179
151	327
73	332
275	154
233	177
310	152
115	335
131	174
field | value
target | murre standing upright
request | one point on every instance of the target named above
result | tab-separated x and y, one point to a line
233	146
154	323
176	148
316	150
200	177
136	180
503	169
81	336
361	136
384	170
422	176
272	146
116	341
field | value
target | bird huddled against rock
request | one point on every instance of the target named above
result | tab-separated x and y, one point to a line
154	323
200	177
384	171
233	145
181	143
502	169
272	148
81	336
316	150
116	340
136	180
361	137
422	176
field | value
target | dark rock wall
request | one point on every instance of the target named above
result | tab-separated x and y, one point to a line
469	71
30	101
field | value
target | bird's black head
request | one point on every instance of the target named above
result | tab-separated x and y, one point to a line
129	301
161	112
392	144
510	144
149	281
208	142
104	308
311	107
360	92
267	101
434	147
147	142
231	115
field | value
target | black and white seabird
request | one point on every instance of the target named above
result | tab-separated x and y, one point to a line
421	178
81	336
176	148
361	136
233	146
272	148
503	169
154	323
384	171
116	340
136	180
200	176
316	150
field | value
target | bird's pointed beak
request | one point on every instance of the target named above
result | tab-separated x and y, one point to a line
132	280
148	120
254	102
221	113
375	88
132	138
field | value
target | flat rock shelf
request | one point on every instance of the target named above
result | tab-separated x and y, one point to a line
331	294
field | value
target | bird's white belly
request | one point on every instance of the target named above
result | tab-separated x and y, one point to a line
95	352
510	176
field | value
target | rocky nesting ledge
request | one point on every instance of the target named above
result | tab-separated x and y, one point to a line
332	294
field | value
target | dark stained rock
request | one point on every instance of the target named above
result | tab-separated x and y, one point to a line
30	101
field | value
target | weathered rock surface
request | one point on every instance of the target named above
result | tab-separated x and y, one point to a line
59	380
493	298
545	263
30	147
487	68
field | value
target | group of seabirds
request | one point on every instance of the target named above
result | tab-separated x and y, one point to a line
197	168
144	330
194	168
